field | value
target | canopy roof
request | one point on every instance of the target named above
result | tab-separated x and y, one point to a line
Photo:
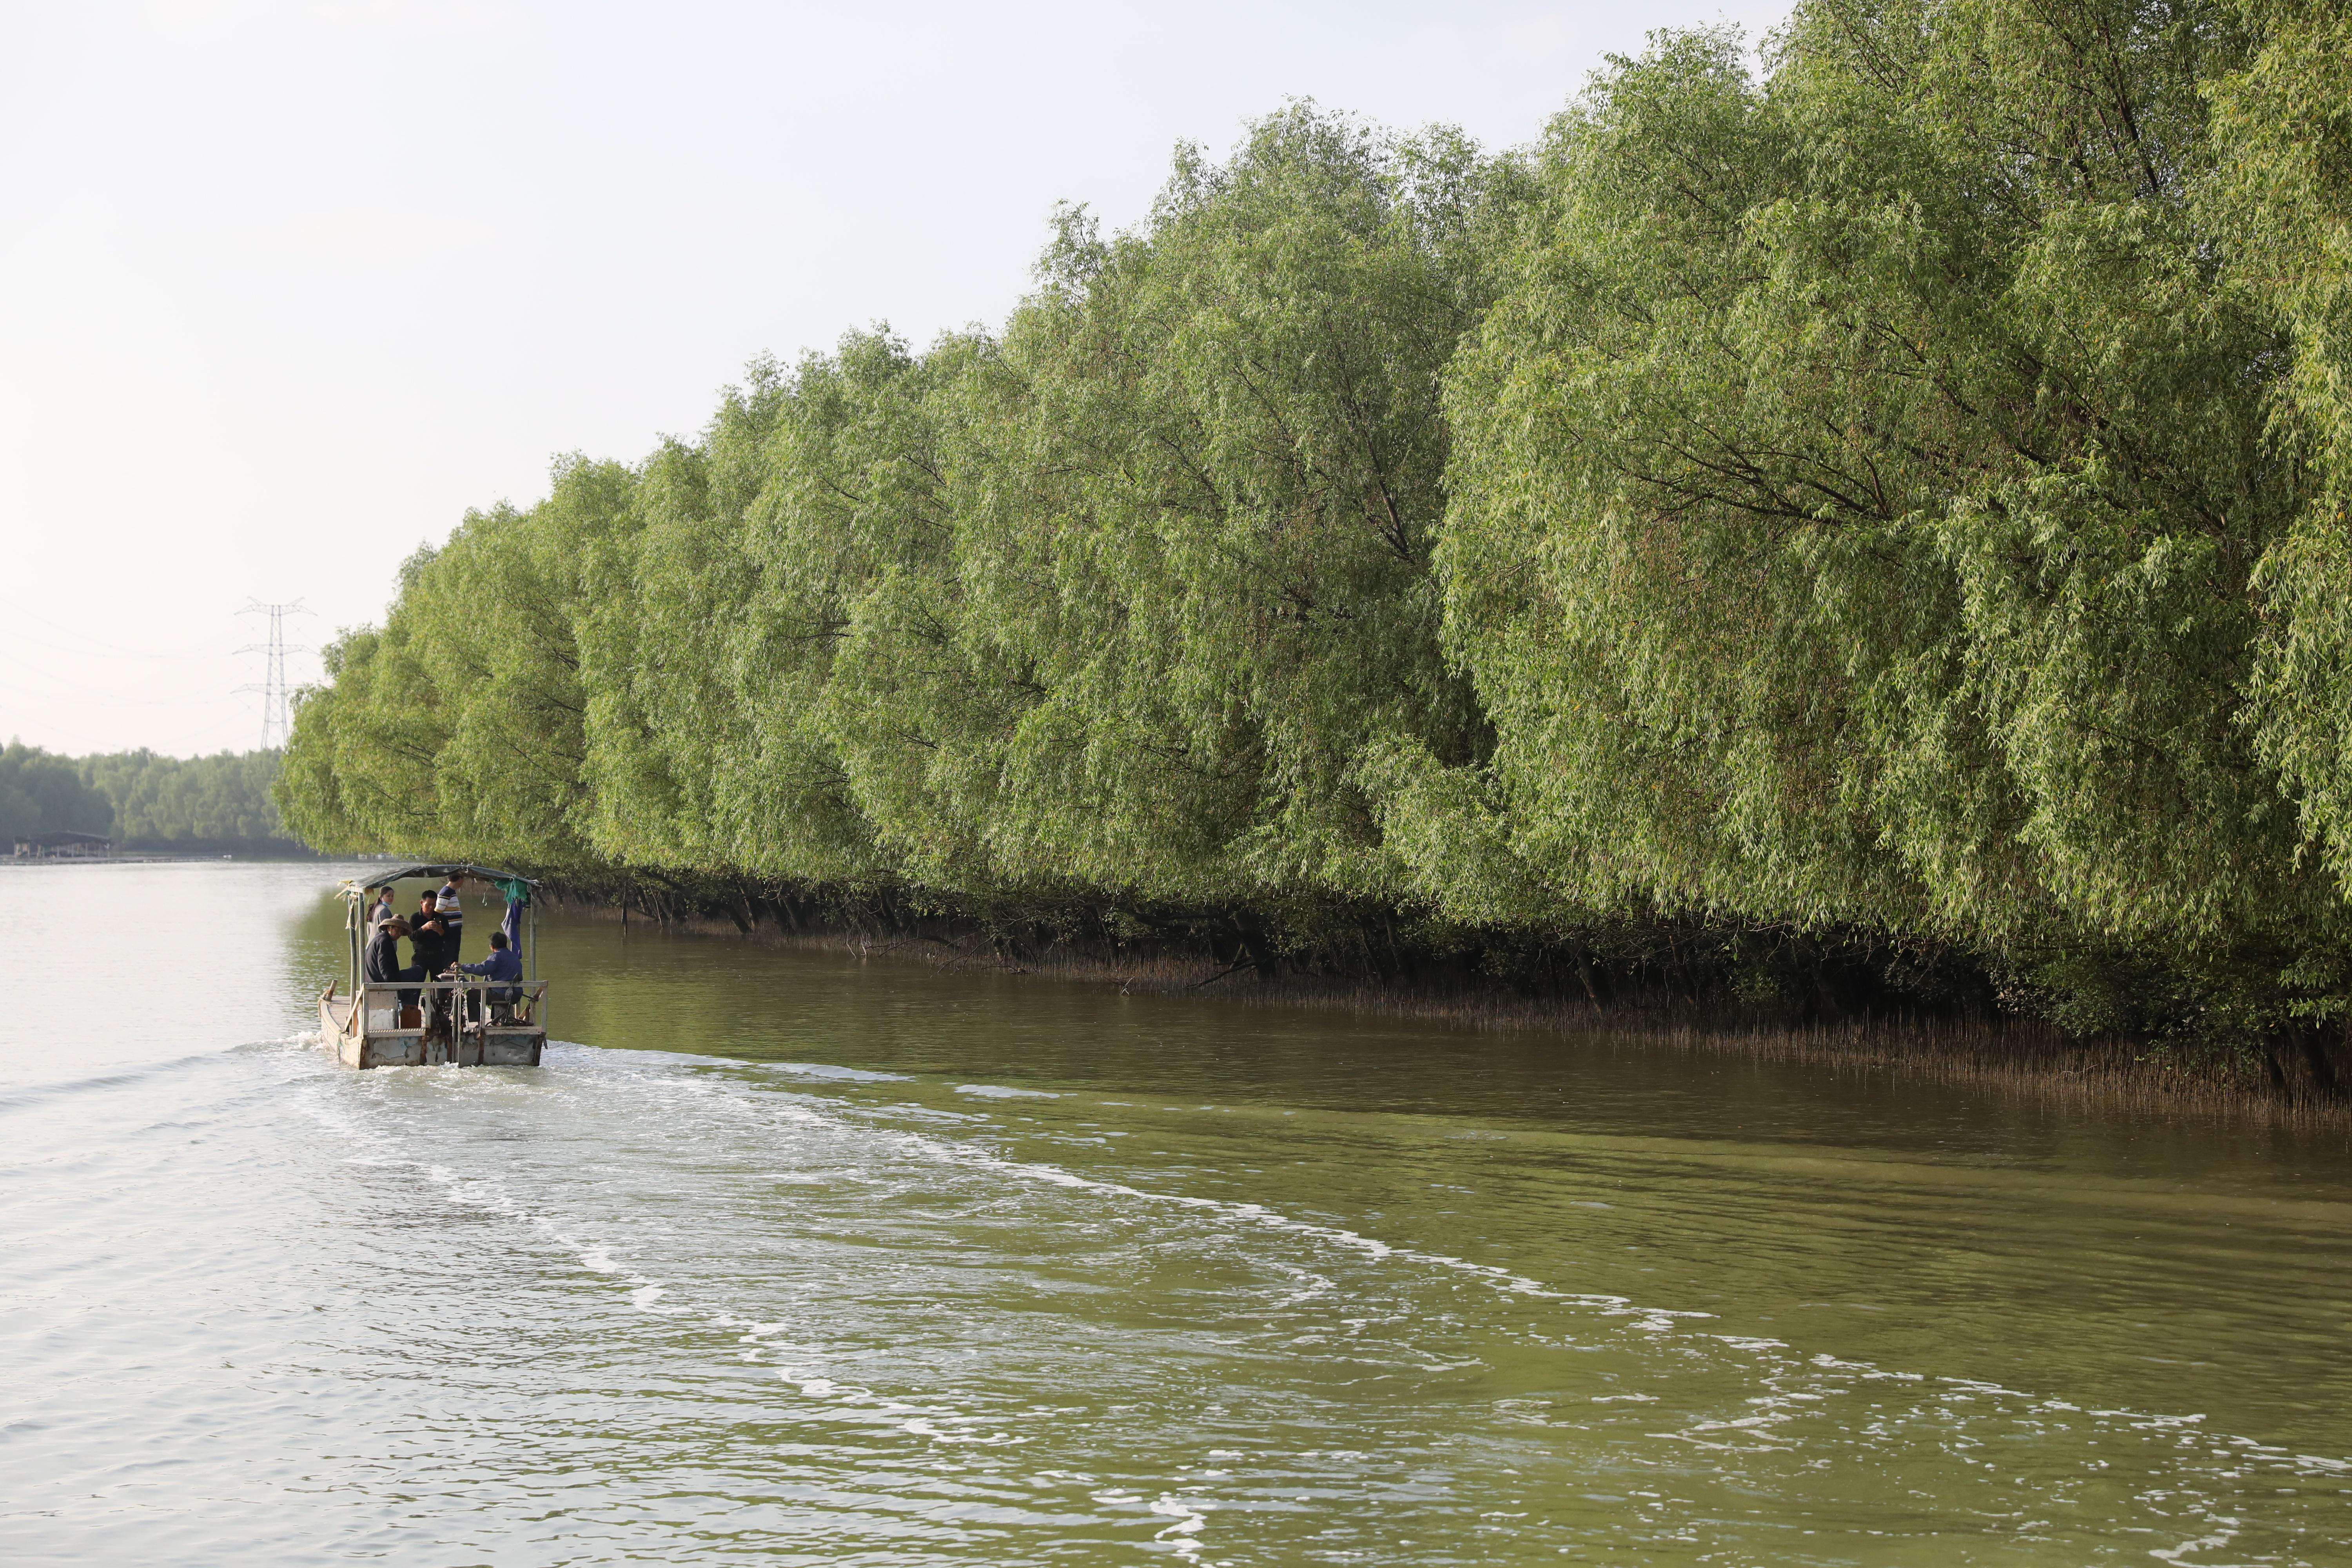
451	869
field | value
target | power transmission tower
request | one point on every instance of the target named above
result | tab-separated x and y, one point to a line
276	698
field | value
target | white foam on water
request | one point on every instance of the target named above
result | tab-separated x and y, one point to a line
840	1074
1185	1535
1797	1387
1258	1215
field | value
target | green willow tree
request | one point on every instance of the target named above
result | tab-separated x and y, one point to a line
2282	190
717	648
1856	502
1212	566
458	727
1896	496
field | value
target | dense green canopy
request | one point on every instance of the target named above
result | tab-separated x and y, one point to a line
42	793
1899	492
159	801
140	799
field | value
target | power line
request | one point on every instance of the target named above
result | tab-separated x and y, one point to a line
17	612
31	719
104	650
28	681
277	698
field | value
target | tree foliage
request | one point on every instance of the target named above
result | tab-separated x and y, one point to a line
1857	495
160	801
1900	491
44	792
140	799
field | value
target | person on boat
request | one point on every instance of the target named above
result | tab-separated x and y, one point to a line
384	910
429	935
504	964
452	911
429	949
382	965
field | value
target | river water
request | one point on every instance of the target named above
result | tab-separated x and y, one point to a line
795	1258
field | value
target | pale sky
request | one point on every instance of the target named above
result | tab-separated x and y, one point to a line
285	288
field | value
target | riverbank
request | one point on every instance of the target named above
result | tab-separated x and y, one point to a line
2011	1057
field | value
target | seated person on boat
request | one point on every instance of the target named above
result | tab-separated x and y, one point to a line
383	965
504	964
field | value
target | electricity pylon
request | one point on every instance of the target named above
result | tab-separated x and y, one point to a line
276	698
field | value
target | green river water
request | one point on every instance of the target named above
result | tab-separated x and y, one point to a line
798	1258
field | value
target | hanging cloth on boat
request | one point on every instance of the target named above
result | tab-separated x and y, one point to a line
518	893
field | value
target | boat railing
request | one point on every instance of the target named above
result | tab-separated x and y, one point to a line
496	1005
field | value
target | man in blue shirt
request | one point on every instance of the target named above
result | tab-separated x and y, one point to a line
504	964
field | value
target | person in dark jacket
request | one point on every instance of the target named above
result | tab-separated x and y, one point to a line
382	966
431	951
429	937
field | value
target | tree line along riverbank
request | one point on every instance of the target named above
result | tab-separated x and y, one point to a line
147	803
1866	528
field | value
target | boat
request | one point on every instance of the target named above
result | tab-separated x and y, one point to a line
465	1022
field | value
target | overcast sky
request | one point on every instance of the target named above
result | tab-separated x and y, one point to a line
285	288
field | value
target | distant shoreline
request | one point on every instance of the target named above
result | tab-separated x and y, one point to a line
297	856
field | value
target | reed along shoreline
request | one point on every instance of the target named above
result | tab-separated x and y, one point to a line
1951	1034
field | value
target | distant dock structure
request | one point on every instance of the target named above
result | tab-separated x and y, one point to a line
64	847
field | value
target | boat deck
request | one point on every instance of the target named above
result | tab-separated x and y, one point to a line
445	1033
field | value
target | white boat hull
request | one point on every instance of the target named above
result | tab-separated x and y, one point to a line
358	1042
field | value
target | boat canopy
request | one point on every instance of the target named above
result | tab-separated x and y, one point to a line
453	869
